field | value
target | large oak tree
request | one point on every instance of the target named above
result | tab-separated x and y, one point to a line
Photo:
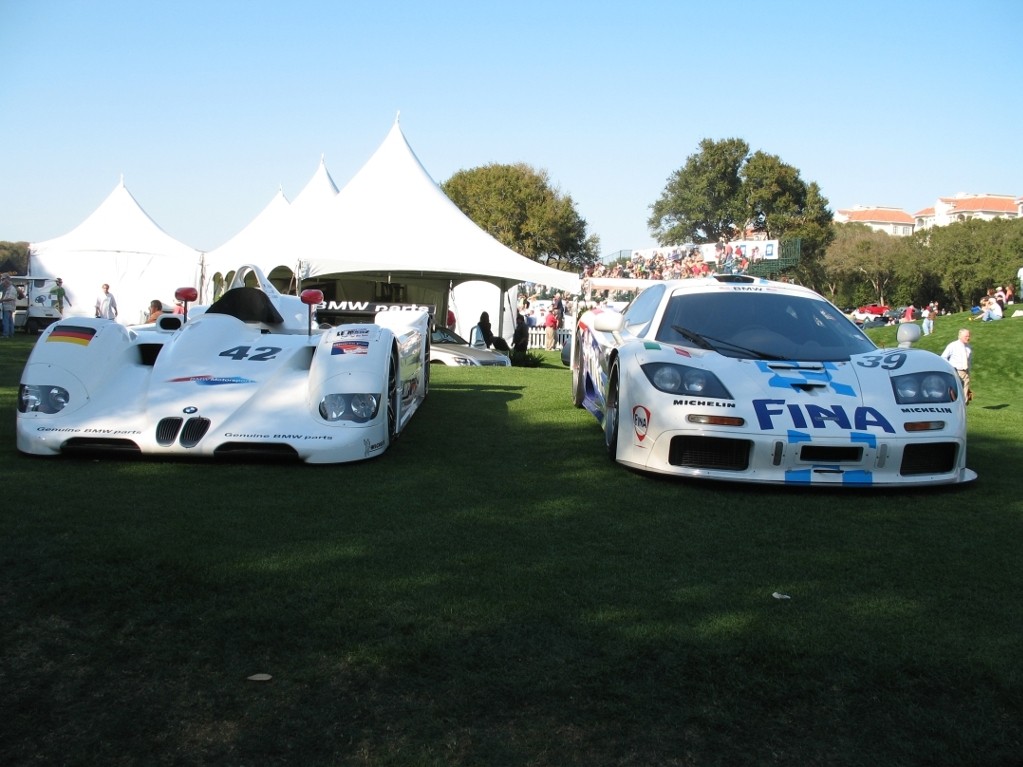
519	207
723	192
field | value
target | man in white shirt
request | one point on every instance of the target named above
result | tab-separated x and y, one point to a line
106	305
960	356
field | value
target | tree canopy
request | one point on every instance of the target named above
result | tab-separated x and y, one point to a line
517	205
724	192
14	257
954	265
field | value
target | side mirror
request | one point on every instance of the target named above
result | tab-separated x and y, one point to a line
311	298
608	321
186	295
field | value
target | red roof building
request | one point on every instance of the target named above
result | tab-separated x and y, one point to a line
964	207
893	221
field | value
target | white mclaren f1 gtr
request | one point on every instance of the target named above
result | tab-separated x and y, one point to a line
747	380
251	375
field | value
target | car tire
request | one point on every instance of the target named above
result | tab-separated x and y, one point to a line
578	377
612	413
393	395
31	326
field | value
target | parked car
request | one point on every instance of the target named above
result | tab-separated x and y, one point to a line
869	311
252	375
746	380
449	348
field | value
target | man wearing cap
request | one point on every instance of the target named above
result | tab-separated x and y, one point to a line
60	296
8	300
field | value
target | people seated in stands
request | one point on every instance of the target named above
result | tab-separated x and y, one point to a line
155	310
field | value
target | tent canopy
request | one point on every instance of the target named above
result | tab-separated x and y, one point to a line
120	245
390	223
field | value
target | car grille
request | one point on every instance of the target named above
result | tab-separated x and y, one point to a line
194	430
486	363
928	458
697	452
167	431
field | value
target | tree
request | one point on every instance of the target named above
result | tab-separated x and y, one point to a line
859	253
518	206
702	200
969	257
14	257
724	192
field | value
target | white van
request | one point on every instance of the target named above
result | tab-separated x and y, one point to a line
36	308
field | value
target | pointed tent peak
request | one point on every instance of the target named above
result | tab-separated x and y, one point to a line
121	225
320	187
121	182
397	117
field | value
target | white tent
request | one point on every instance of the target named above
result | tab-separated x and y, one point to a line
390	224
120	245
394	221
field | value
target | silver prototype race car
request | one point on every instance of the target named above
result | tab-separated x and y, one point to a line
250	375
747	380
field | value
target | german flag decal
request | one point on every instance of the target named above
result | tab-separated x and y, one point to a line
72	334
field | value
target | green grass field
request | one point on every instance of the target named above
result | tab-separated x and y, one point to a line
494	592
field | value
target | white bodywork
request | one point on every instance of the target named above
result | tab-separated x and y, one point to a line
747	380
226	385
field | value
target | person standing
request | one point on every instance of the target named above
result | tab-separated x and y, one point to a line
8	302
959	353
550	324
60	296
928	319
106	304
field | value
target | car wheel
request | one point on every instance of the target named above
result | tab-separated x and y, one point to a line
31	326
611	414
426	373
392	400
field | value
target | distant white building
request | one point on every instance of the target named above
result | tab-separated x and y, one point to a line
893	221
964	207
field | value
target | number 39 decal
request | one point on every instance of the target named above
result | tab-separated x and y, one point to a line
885	362
262	353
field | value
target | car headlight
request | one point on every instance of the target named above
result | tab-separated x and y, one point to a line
916	388
463	361
42	399
682	379
349	407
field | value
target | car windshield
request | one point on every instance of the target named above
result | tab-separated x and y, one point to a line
762	325
445	336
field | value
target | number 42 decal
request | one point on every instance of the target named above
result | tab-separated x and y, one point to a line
262	353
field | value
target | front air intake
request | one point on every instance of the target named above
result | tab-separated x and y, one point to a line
695	452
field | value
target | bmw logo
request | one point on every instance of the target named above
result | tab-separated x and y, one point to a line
190	409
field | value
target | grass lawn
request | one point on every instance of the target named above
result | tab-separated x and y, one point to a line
494	592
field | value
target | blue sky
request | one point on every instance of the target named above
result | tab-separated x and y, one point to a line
208	107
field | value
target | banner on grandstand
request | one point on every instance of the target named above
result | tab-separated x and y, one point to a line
716	252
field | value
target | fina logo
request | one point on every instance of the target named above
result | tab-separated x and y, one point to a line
640	421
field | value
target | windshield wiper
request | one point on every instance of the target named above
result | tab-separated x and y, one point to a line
695	337
705	342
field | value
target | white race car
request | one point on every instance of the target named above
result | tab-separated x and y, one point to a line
251	375
747	380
